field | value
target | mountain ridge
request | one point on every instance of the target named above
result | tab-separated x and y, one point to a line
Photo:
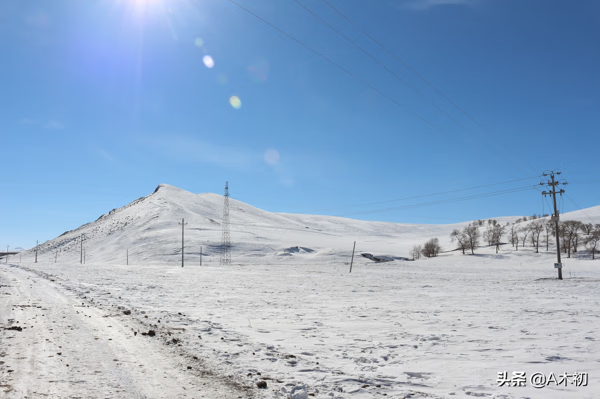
149	230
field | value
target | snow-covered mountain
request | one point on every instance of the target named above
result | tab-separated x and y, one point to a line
149	230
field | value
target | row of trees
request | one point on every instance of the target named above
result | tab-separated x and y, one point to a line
431	249
572	234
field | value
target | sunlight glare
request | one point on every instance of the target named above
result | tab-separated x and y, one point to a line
235	102
208	61
145	5
142	2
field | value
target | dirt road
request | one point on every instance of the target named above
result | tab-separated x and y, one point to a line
52	345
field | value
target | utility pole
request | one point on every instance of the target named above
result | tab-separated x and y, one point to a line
81	238
553	183
200	255
55	256
225	237
182	237
352	260
37	243
7	254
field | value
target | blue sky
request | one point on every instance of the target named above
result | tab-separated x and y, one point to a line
340	103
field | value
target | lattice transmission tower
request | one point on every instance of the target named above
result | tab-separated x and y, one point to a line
226	237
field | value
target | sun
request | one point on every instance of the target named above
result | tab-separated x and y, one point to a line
145	3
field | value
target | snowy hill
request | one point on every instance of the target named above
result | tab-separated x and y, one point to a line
149	228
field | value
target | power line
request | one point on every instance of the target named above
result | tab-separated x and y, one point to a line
392	72
411	69
423	204
429	195
329	60
459	199
355	44
580	208
545	201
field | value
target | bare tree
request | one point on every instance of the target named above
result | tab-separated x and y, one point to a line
460	238
531	237
577	235
431	248
548	231
512	234
497	234
472	234
592	239
524	233
571	234
536	229
415	252
488	234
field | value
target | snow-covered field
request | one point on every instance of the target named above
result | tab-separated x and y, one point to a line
444	327
434	328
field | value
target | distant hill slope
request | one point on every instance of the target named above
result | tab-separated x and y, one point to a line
149	228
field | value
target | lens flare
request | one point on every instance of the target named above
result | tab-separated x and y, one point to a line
208	61
235	102
199	42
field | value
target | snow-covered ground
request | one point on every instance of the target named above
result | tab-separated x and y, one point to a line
56	345
444	326
288	312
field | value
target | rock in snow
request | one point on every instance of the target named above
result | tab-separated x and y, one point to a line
298	392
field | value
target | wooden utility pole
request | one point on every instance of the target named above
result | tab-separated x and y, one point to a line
552	183
352	260
7	254
81	237
182	240
37	243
